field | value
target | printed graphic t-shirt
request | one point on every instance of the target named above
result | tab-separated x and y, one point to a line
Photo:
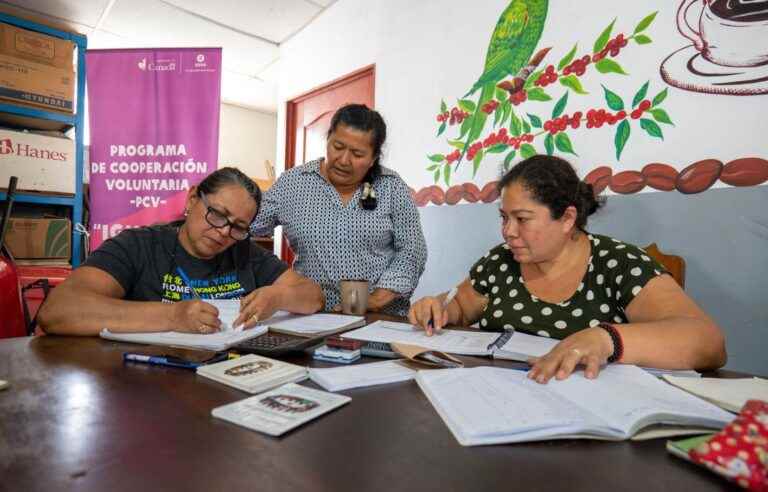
144	262
617	273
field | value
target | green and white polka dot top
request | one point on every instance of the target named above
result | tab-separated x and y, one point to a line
617	272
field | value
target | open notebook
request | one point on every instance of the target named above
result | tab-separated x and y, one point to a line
312	325
491	405
509	345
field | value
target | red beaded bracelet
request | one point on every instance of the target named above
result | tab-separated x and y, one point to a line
618	343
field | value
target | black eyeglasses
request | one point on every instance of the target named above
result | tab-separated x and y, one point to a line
219	221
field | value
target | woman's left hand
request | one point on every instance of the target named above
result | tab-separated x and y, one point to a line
590	347
379	298
258	306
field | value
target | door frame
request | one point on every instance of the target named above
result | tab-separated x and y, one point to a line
290	124
291	104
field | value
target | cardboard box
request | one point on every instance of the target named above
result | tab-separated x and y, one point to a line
39	238
42	163
36	69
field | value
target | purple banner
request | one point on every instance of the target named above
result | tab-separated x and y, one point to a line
154	121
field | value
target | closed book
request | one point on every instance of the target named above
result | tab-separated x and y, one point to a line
281	409
253	373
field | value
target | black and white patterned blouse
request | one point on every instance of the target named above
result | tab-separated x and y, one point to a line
333	241
617	272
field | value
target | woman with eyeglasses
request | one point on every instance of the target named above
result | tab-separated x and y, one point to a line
170	268
348	217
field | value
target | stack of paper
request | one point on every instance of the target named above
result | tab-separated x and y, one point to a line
730	394
253	373
357	376
316	325
450	341
281	409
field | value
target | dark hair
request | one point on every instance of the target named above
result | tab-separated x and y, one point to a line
228	176
553	182
362	118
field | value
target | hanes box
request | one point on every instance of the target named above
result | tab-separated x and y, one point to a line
39	238
36	69
41	163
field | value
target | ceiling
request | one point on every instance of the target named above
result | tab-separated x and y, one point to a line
249	31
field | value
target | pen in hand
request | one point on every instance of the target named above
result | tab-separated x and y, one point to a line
188	282
447	300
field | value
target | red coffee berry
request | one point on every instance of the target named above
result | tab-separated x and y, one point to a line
645	105
636	113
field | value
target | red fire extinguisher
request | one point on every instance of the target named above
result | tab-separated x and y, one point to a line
12	319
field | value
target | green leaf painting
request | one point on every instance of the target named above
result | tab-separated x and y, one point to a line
640	95
572	82
643	24
567	59
527	150
560	106
613	100
563	143
620	140
651	128
602	40
661	116
606	65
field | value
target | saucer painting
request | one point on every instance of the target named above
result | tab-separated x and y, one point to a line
687	69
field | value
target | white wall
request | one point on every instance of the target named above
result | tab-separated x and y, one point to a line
246	139
434	50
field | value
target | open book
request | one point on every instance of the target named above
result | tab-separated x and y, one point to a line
490	405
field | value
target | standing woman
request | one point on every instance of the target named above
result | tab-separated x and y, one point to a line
348	217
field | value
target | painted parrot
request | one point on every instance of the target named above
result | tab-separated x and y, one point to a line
516	35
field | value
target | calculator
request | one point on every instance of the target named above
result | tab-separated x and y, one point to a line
276	344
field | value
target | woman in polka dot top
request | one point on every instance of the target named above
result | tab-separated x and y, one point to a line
605	299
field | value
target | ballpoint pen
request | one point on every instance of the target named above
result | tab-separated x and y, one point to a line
161	360
187	282
448	298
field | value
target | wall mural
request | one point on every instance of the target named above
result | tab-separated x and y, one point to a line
494	122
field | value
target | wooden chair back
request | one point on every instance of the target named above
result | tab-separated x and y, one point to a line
675	265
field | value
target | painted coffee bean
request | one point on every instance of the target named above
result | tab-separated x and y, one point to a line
454	195
599	178
699	176
436	195
627	182
471	192
422	197
489	192
748	171
660	176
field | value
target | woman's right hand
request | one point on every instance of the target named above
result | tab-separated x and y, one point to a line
195	316
428	314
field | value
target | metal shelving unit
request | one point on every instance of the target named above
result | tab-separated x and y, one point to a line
76	121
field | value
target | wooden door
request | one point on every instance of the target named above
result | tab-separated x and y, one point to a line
308	118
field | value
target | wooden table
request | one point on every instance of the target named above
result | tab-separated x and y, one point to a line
77	418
